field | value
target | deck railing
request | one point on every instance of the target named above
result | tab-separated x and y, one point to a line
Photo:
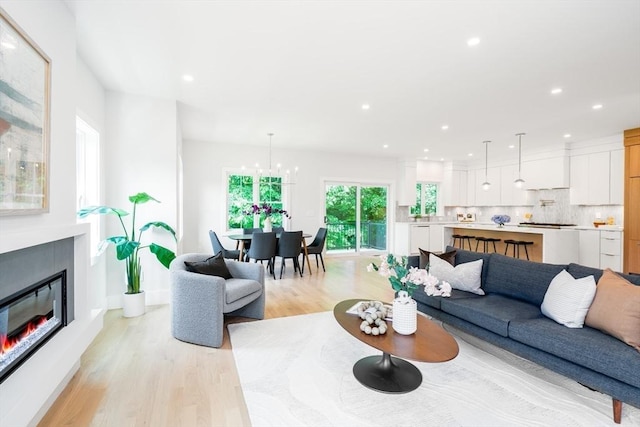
341	235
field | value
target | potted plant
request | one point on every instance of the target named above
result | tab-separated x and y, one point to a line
128	247
404	280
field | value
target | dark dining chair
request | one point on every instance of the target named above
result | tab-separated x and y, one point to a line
316	247
217	247
289	247
247	243
278	230
263	248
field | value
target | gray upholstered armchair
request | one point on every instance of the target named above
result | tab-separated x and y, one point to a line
199	301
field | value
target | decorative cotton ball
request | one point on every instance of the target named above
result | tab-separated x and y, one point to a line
374	316
367	329
362	325
375	331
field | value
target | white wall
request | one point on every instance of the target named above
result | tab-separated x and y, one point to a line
90	104
205	185
28	392
141	156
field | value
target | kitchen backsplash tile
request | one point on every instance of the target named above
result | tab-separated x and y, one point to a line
550	206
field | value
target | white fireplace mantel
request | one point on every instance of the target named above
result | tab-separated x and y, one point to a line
30	390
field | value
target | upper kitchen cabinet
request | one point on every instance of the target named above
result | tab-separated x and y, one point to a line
552	172
510	195
454	188
407	173
597	178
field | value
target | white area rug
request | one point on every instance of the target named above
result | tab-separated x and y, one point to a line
297	371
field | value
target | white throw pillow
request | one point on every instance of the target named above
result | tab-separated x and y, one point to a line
567	299
464	277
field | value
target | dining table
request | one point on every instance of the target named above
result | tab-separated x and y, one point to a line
241	238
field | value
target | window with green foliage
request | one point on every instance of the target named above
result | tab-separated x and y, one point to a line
243	191
426	199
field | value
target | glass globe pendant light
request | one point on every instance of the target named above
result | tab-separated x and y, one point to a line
519	182
486	184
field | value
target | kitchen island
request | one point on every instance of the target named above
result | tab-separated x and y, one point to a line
550	245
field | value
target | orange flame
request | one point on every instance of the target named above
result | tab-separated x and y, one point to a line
6	343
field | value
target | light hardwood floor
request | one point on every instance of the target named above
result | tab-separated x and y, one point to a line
136	374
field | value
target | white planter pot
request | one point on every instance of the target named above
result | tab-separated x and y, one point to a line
405	314
133	305
268	226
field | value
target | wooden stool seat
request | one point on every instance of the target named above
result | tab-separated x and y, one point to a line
462	238
516	244
485	243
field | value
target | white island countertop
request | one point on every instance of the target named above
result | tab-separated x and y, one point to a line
559	245
510	228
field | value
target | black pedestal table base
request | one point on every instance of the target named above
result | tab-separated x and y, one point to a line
387	374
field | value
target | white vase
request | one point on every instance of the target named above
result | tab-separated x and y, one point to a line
405	314
267	226
133	305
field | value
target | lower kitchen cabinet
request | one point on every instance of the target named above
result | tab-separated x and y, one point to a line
409	237
611	250
589	255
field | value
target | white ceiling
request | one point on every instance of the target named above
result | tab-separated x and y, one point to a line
303	69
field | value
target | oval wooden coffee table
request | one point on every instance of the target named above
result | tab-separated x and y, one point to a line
430	343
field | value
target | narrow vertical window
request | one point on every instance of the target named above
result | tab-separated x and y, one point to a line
88	177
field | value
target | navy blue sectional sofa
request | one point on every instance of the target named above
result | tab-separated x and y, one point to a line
509	316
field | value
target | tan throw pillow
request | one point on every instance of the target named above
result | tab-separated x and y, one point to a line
450	257
616	309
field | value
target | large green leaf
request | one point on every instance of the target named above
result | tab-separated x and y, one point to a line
125	249
164	255
141	198
159	224
101	210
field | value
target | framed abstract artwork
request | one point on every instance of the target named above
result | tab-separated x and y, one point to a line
25	81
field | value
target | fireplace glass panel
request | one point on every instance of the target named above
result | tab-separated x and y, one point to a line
29	318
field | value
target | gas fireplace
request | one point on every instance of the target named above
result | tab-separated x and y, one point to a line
30	317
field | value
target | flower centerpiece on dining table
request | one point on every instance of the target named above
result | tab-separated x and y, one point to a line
404	280
501	220
267	210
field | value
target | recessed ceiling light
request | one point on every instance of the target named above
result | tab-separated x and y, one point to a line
511	146
365	106
597	106
442	159
426	150
385	146
426	158
556	91
567	135
187	78
474	41
470	154
445	127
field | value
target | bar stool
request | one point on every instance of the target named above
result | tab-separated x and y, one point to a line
485	243
462	239
516	247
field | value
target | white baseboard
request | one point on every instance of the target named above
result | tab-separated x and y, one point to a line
157	297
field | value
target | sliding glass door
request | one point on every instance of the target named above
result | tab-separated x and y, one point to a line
356	217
